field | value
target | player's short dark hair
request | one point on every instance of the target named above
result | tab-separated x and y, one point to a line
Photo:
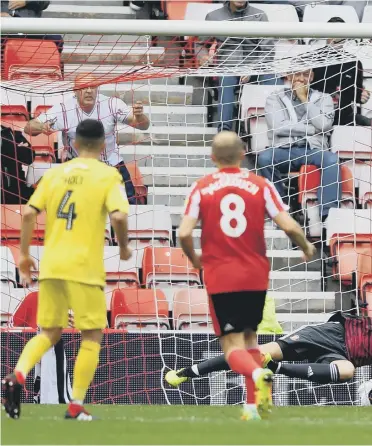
336	20
227	148
90	133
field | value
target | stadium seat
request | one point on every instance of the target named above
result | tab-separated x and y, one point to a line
149	226
253	99
14	116
137	180
31	58
139	310
120	273
40	109
168	265
198	11
366	293
364	266
344	253
25	314
308	183
176	10
352	142
367	15
278	12
323	13
348	221
8	266
191	310
11	220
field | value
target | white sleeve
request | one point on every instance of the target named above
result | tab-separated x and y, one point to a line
120	110
273	202
192	203
55	117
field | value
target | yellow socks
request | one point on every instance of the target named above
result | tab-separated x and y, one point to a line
85	368
32	353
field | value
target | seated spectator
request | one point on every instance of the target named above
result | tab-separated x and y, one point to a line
358	5
298	120
16	152
344	82
236	51
87	102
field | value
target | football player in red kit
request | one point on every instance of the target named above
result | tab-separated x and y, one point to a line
231	205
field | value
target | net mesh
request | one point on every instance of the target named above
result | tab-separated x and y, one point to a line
191	87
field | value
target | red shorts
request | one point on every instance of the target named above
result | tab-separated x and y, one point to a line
237	311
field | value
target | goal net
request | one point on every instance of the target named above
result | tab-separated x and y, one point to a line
191	87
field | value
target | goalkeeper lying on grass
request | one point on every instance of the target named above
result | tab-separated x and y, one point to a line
333	350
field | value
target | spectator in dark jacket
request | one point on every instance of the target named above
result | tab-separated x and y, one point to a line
22	8
344	82
15	153
32	9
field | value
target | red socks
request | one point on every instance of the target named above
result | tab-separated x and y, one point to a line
244	362
249	383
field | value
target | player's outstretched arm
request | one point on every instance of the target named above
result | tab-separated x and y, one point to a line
36	127
295	233
25	261
119	221
188	224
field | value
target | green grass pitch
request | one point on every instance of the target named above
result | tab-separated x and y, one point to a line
45	425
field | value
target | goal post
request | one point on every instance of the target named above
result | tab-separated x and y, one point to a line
186	96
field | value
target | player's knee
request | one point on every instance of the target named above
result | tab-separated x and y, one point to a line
92	335
330	159
345	369
54	334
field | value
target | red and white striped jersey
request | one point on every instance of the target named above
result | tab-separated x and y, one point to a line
109	110
231	205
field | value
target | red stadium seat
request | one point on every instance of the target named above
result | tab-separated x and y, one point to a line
137	180
25	314
344	250
364	280
168	265
176	9
139	309
31	58
120	273
40	109
191	310
309	181
366	293
14	116
11	219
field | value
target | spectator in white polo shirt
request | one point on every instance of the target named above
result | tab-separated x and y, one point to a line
88	103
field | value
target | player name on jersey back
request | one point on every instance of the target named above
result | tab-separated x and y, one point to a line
232	205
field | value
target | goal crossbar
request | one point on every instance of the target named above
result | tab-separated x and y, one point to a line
186	28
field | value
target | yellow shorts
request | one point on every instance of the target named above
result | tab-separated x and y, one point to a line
56	297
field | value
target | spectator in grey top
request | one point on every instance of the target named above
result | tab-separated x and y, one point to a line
299	120
234	52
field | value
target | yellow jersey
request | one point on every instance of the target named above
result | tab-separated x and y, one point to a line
77	196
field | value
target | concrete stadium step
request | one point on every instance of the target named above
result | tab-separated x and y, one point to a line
303	302
137	152
84	11
275	239
295	281
163	115
293	321
92	40
175	135
118	54
153	95
173	176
